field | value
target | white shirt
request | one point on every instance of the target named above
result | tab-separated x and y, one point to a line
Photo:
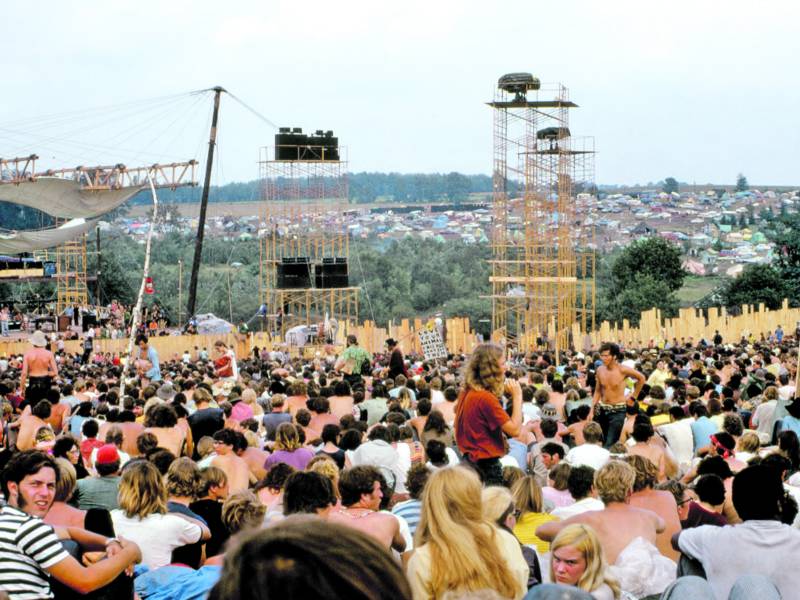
157	535
381	454
590	455
576	508
766	548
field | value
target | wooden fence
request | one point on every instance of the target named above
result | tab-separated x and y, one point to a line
690	323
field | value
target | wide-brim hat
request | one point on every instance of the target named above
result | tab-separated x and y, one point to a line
38	339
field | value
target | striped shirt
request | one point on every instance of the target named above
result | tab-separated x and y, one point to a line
28	546
410	511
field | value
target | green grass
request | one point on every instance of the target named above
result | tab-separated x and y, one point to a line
694	288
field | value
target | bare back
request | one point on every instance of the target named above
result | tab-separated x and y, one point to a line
664	505
39	363
383	527
130	431
28	426
341	406
618	525
236	469
171	438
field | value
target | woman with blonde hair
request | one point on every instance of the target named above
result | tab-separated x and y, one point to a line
530	512
142	516
576	559
457	548
288	449
481	422
498	507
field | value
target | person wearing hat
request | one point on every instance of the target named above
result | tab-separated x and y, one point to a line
397	365
38	370
101	491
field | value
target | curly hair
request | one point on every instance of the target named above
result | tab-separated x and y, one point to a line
646	471
483	371
614	481
242	510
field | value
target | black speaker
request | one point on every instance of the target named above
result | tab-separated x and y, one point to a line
293	276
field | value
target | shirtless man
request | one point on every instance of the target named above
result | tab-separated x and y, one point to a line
254	457
297	397
38	370
609	393
619	523
235	468
642	433
361	498
341	403
30	423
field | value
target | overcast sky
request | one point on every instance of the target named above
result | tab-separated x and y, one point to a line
698	90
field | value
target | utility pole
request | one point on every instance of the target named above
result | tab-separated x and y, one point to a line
198	246
180	291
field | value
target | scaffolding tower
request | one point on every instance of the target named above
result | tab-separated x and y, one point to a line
543	247
304	238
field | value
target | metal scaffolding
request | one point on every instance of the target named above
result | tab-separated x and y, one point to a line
543	247
303	218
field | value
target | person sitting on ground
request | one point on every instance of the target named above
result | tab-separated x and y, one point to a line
576	559
556	494
360	490
530	512
499	508
592	454
31	548
62	513
760	546
161	421
575	430
707	509
580	484
328	561
212	490
453	531
643	432
142	516
101	491
411	509
270	489
627	534
308	493
235	468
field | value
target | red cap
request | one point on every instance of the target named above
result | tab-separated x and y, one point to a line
106	455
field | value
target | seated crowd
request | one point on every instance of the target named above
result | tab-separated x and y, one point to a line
658	472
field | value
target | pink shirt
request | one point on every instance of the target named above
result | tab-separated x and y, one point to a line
558	497
241	412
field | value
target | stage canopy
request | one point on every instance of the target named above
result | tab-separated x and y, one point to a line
17	242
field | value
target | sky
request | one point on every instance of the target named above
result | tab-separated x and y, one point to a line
697	90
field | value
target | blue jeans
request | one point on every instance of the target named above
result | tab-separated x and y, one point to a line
747	587
4	327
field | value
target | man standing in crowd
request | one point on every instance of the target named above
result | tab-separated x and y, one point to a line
396	362
609	393
39	369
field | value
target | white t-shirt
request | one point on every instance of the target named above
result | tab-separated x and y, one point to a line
576	508
157	535
766	548
590	455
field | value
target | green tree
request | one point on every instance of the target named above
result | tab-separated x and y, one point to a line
741	183
653	256
670	185
755	284
643	292
787	253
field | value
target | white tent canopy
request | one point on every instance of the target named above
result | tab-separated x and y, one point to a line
17	242
64	198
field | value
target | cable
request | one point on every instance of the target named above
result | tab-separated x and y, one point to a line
253	111
365	287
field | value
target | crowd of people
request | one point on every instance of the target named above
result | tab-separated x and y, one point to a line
619	473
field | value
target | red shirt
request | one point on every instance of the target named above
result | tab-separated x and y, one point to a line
479	421
87	446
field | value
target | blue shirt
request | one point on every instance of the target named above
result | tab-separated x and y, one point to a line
702	430
790	423
410	511
519	452
177	583
154	374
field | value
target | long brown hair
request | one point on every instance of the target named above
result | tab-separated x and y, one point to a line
483	371
452	524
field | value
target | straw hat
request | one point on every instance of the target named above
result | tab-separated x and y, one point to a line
38	339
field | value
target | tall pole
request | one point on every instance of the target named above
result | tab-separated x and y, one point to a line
198	245
99	268
180	290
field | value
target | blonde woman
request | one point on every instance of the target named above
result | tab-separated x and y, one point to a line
457	549
288	449
142	516
576	559
481	423
499	508
530	512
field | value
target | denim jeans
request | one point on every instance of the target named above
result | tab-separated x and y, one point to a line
747	587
